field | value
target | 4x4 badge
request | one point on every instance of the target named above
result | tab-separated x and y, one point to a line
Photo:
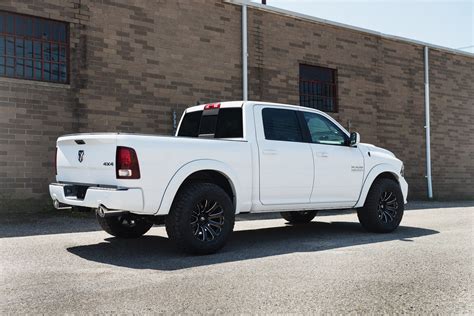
80	155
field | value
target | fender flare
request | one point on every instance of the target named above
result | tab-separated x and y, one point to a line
188	169
369	180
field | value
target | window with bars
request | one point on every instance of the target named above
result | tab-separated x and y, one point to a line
318	88
33	48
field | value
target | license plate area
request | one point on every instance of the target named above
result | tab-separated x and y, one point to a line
75	192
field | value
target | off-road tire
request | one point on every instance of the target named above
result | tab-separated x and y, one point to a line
124	226
299	217
184	230
371	215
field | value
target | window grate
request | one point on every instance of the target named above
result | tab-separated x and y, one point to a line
318	88
33	48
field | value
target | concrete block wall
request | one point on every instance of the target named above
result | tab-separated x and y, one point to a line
33	114
380	93
133	63
452	130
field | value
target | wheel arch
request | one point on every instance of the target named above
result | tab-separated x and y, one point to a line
211	171
377	172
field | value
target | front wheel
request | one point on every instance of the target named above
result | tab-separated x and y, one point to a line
124	226
383	208
201	218
299	217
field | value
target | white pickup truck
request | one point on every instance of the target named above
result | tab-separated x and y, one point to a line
228	158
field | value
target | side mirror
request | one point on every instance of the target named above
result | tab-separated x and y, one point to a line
355	139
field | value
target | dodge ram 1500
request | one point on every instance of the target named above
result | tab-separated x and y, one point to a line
228	158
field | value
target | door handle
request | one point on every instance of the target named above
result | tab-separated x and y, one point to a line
270	151
322	154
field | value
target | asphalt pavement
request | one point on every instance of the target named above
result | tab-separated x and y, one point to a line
331	265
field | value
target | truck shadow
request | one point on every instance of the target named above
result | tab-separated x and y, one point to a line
157	253
49	226
58	223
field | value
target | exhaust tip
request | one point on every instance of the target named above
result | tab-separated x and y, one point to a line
60	206
101	211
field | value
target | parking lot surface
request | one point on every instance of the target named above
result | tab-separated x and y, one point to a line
67	265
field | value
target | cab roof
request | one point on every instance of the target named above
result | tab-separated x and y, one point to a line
239	104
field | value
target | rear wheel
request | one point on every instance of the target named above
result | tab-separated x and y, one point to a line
383	208
299	217
201	218
124	226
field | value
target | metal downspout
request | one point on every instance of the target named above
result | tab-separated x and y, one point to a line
244	54
427	123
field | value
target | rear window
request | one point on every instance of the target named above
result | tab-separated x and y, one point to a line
190	124
222	123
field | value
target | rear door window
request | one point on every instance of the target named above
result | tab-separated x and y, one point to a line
283	125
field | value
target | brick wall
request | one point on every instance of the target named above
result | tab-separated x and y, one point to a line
34	114
380	93
144	60
133	63
452	129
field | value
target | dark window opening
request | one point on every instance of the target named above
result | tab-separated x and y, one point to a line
33	48
318	88
229	123
223	123
281	125
207	128
190	124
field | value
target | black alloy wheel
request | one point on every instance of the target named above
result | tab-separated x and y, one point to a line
207	220
383	208
388	206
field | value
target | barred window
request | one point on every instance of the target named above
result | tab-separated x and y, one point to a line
318	88
33	48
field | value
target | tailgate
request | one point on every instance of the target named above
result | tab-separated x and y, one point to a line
87	158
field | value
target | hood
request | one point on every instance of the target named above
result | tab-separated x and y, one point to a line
374	148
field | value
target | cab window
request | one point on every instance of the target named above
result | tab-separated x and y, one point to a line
323	131
279	124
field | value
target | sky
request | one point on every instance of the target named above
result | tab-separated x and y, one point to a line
440	22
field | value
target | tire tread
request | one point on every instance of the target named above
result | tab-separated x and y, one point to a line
368	216
174	221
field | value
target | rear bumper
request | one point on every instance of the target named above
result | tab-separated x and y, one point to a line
127	199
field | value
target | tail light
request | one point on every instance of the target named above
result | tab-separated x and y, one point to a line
126	163
212	106
56	161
